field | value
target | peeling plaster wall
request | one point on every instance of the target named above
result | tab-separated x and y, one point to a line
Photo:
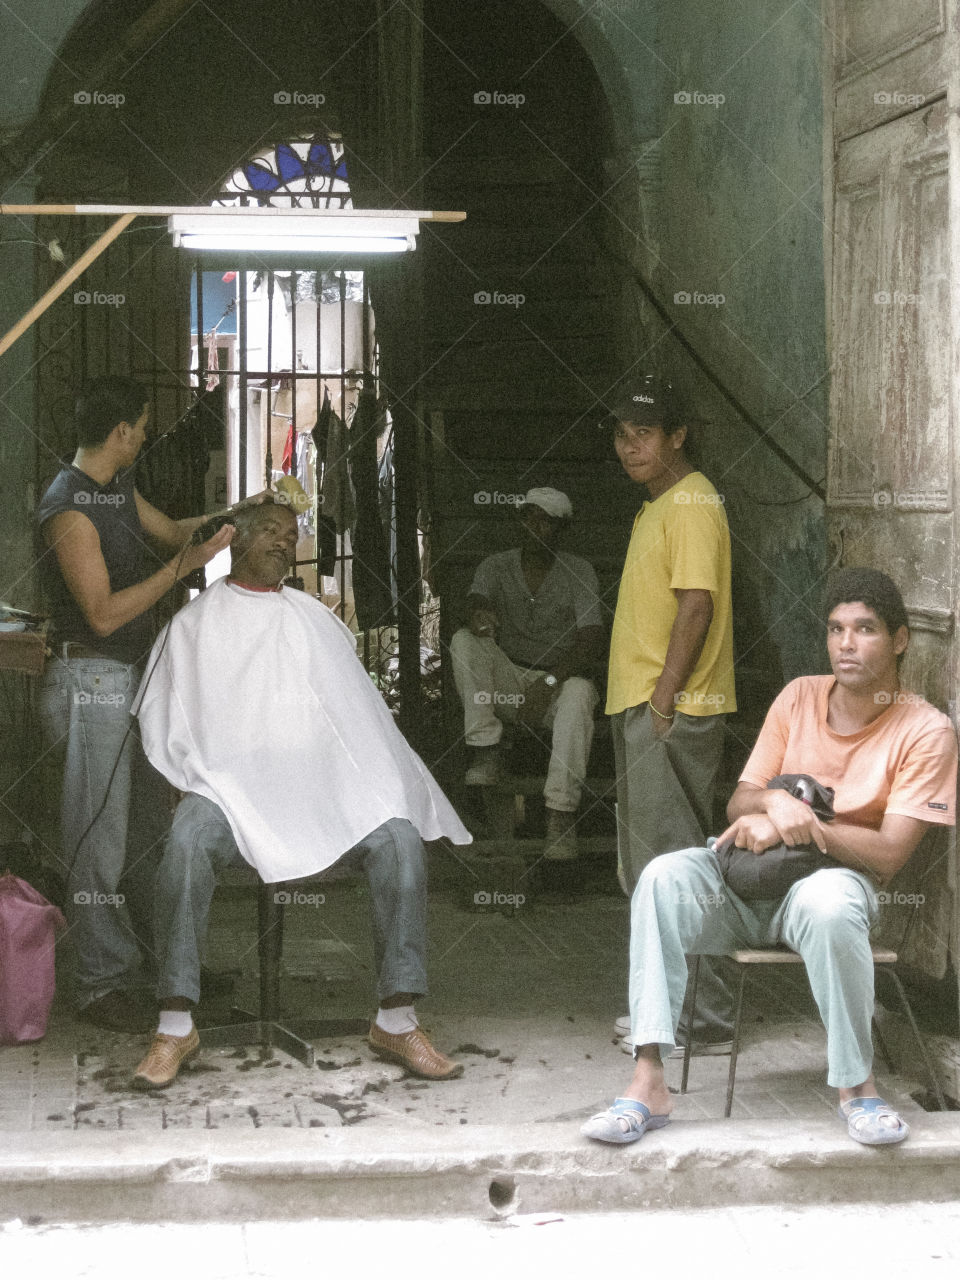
742	217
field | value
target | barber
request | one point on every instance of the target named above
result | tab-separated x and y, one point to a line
102	577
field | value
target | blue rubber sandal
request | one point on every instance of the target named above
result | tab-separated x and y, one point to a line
626	1121
865	1116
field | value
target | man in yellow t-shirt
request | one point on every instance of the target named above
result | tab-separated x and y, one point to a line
671	658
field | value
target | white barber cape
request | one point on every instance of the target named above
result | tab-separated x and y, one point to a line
258	701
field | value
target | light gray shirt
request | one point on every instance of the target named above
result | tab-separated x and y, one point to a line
538	630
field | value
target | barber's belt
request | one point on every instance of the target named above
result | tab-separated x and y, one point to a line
72	649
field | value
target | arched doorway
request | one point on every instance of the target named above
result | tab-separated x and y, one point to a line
155	150
524	330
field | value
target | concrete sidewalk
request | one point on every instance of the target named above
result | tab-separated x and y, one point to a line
525	996
906	1241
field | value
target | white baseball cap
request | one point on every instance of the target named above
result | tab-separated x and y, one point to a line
552	501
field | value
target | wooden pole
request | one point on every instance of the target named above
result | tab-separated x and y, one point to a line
68	277
219	210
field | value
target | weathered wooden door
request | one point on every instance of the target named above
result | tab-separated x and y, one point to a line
894	328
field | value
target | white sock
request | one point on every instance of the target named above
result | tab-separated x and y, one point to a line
397	1022
175	1022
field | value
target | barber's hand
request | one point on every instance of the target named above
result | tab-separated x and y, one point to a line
754	831
795	821
195	557
483	622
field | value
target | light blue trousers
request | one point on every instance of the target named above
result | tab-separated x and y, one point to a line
681	907
200	844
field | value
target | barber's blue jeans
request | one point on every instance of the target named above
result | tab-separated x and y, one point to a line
681	906
201	844
85	713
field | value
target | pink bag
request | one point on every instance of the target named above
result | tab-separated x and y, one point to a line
28	928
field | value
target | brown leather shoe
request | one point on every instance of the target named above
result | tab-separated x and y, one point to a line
415	1052
164	1059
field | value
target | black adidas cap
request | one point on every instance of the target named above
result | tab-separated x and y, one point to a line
648	401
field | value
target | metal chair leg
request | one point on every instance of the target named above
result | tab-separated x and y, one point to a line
735	1047
934	1082
264	1029
688	1047
881	1044
270	919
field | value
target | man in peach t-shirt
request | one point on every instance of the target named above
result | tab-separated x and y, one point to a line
891	759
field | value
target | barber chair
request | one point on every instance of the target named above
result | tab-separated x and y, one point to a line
264	1028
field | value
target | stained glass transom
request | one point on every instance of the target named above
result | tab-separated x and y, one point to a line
304	173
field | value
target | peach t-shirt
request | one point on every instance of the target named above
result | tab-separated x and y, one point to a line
904	762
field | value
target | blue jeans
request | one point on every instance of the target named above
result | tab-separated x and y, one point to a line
84	710
681	906
201	844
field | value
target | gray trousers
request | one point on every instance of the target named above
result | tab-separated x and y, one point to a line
85	712
665	793
201	844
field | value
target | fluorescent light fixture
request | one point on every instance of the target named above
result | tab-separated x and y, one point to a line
297	244
281	230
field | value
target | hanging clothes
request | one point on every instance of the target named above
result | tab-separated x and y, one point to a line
326	546
302	452
321	433
213	360
286	463
371	559
388	509
304	456
332	439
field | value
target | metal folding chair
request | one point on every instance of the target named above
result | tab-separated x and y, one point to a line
783	955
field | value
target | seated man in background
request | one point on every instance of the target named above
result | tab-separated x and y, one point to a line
533	641
256	706
891	759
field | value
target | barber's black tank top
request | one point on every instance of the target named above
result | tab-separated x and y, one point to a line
112	510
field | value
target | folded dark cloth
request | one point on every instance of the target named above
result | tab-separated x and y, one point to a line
769	875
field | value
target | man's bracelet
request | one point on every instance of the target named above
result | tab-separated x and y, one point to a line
659	713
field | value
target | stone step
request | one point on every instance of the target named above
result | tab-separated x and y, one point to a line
517	784
230	1176
531	848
